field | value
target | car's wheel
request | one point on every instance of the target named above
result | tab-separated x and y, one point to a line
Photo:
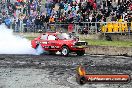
65	51
80	53
39	49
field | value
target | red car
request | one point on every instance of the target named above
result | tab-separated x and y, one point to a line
65	43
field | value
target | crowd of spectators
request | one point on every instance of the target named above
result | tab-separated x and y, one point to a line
38	14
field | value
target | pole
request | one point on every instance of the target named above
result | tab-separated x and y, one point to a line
43	5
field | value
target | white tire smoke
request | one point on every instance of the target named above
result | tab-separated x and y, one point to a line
11	44
39	50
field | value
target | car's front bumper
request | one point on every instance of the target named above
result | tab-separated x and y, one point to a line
79	46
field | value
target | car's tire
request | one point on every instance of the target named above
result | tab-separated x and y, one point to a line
36	46
65	51
80	53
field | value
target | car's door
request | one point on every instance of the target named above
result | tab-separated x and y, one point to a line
52	40
44	41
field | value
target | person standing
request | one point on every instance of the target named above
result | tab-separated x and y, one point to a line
129	23
8	22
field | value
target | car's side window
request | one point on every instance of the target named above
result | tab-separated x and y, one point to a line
63	36
44	37
51	37
59	36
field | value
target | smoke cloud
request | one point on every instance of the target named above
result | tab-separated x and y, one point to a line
11	44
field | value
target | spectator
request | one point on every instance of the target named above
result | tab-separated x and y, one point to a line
67	11
8	22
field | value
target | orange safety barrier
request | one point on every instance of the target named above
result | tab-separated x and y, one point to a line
124	27
103	29
109	27
115	27
120	27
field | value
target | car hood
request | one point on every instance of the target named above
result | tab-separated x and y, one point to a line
77	42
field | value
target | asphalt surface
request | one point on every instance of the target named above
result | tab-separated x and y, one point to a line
55	71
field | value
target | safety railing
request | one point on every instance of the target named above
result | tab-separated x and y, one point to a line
104	27
82	27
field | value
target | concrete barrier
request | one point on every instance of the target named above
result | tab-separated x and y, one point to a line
109	50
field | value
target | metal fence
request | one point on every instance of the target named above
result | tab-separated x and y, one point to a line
82	28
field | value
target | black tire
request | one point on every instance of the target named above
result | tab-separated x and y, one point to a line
65	51
80	53
36	46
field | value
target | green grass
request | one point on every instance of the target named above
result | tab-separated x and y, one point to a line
109	43
31	38
103	42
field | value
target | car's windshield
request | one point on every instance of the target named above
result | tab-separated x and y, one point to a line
48	37
64	36
51	37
